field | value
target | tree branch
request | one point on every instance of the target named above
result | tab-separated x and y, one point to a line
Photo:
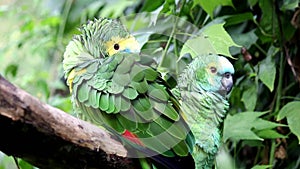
50	138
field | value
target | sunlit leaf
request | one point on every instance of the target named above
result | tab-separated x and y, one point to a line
210	6
25	165
292	112
213	39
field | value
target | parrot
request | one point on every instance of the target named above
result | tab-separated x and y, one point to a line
112	87
202	88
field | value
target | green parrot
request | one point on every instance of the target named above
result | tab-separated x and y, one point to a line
112	87
202	89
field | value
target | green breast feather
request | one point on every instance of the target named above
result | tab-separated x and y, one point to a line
202	88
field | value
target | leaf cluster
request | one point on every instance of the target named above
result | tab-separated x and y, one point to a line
261	39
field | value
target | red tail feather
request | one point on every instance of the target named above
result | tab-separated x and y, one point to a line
132	137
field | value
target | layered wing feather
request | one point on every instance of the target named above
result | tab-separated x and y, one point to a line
121	94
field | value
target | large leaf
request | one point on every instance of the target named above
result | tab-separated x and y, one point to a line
210	6
292	112
243	126
244	39
267	70
213	39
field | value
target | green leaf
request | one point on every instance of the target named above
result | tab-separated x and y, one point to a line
262	124
194	49
238	18
291	111
289	5
252	143
249	97
262	167
115	8
268	23
242	126
25	165
213	39
244	39
11	70
270	134
150	5
210	6
267	70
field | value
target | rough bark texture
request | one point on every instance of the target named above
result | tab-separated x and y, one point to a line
50	138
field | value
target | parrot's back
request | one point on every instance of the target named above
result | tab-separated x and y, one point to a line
132	101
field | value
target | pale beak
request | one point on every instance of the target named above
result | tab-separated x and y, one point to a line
227	83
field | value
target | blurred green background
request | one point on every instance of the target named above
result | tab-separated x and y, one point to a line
262	129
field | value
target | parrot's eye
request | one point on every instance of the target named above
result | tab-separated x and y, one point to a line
116	46
213	70
227	75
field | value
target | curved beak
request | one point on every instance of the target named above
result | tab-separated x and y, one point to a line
227	83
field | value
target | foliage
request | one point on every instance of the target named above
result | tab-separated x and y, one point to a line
262	128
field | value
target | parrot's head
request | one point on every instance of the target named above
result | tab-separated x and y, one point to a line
211	73
99	38
214	74
104	37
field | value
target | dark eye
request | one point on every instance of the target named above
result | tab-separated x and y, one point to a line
227	75
116	46
213	70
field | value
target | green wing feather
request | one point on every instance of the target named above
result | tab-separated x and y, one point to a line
121	94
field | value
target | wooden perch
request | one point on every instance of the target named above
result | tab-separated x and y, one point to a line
50	138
